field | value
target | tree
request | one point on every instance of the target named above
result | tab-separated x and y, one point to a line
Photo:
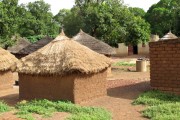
137	11
108	20
163	17
43	19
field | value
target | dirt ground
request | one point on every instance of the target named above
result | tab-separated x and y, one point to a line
122	88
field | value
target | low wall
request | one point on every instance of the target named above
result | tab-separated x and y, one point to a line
6	80
165	65
75	87
143	50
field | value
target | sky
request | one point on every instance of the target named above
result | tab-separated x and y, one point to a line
56	5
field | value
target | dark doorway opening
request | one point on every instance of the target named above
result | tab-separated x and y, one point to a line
135	49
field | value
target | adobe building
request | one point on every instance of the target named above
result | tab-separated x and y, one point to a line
7	63
63	70
165	64
140	49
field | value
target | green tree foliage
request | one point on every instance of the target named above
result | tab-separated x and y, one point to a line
164	16
25	20
108	20
137	11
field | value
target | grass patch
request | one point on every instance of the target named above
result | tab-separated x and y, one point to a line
4	107
123	64
47	108
162	106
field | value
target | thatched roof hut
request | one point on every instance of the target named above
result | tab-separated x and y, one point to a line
35	46
93	43
7	63
20	44
58	71
169	35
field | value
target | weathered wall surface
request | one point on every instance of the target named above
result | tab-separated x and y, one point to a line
6	80
165	65
75	88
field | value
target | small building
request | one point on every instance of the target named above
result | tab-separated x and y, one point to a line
19	45
168	36
140	49
63	70
35	46
94	44
7	63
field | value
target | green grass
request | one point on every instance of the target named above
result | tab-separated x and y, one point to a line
4	107
124	64
47	108
161	106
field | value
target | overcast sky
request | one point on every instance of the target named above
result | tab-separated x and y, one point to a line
56	5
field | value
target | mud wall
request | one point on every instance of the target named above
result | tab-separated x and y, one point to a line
6	80
75	88
165	65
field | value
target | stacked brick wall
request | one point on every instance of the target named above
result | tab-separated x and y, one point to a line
165	65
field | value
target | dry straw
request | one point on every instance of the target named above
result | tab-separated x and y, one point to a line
94	44
62	56
169	35
7	60
35	46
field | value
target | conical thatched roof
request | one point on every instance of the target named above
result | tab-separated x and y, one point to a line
169	35
93	43
20	44
63	56
35	46
7	60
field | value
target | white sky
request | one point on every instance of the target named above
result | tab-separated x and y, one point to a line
56	5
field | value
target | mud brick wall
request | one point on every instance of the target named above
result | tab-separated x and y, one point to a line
75	87
6	80
165	65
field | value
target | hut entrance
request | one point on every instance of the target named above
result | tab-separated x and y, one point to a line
132	50
135	50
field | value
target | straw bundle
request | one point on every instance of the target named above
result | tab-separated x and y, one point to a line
7	60
62	56
94	44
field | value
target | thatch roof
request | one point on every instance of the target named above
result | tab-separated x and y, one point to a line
7	60
35	46
93	43
20	44
62	56
169	35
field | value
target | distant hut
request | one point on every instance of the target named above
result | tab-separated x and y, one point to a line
169	35
59	72
20	44
35	46
94	44
7	63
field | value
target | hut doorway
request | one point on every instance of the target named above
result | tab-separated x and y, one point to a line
135	49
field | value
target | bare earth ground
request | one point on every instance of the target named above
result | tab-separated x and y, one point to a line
123	87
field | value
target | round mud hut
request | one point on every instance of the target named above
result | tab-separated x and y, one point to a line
7	63
63	70
20	44
95	45
35	46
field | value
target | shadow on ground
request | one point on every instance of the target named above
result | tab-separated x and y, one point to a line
129	91
10	99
